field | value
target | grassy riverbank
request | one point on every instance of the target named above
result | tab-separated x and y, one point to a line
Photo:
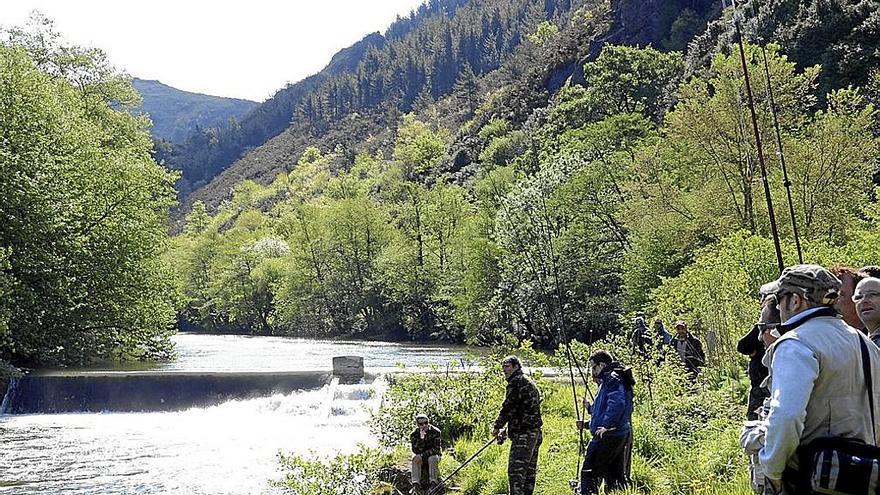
685	434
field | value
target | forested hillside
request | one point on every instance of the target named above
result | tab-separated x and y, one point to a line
559	183
506	210
443	48
176	114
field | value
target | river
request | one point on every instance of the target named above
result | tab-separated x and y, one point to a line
227	448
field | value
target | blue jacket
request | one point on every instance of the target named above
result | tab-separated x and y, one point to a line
614	402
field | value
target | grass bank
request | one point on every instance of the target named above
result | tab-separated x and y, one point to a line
685	435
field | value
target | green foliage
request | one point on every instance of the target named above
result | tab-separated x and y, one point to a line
627	80
84	210
353	474
460	401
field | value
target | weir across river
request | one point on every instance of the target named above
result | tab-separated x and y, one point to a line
211	422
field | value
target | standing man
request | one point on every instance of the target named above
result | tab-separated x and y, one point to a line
689	349
817	384
610	424
867	303
521	412
425	441
752	345
641	338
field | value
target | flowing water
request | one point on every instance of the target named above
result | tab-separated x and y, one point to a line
228	448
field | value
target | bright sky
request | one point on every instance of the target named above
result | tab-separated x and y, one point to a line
242	49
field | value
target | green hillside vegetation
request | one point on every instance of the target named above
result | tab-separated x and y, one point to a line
83	220
176	114
446	47
598	206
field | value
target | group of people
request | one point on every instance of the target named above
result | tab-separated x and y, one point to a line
814	358
607	456
688	347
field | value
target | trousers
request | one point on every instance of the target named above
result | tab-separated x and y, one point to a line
433	468
605	460
522	465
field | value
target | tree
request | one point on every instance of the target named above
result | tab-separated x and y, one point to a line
628	80
83	218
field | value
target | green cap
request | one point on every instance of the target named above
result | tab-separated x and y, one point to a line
811	281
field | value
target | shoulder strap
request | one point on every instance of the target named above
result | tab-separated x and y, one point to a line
866	369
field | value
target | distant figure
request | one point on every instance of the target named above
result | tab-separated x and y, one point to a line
689	349
610	424
817	383
425	441
521	412
663	336
752	345
867	300
848	277
641	338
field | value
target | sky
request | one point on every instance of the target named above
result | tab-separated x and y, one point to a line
241	49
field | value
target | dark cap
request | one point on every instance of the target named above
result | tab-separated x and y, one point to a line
811	281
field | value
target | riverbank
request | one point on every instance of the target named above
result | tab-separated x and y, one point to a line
685	435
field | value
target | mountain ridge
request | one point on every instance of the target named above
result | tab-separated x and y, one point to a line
176	113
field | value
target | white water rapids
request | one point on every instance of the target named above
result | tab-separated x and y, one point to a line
230	448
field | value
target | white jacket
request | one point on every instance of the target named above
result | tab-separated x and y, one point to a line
817	389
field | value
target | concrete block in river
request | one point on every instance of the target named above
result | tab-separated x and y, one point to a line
348	367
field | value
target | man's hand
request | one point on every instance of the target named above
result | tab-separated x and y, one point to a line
580	424
587	405
774	485
600	431
495	432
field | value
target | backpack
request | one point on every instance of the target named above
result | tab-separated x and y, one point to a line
842	466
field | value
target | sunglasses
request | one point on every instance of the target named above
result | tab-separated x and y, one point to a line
422	423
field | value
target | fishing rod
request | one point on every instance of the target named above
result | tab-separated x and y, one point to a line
572	359
436	487
780	151
751	101
558	313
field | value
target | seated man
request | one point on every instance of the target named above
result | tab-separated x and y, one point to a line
425	440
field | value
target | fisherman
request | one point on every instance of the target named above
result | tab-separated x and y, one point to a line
425	441
752	345
521	413
849	277
755	428
817	380
610	423
641	339
867	304
689	349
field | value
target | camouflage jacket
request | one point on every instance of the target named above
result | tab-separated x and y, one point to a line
521	410
428	446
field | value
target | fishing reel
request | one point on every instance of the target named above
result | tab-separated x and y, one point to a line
575	485
501	437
